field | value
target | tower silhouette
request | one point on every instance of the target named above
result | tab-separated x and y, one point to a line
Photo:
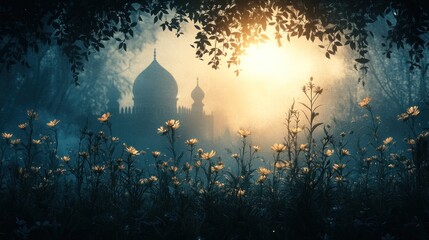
155	101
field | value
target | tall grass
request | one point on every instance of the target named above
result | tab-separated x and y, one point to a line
315	186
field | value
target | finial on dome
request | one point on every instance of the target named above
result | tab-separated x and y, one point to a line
197	94
154	54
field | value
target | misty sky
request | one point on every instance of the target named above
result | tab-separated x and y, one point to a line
258	98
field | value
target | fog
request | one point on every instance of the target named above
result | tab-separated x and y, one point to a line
270	80
258	97
295	140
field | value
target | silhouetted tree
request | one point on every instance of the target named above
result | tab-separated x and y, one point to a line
225	27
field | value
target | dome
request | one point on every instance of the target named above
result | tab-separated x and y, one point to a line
155	82
197	94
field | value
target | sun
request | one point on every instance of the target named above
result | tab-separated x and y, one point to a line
266	60
263	59
272	76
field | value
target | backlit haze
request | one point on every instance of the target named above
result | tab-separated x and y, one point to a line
270	78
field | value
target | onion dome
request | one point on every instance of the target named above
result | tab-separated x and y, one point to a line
155	87
197	94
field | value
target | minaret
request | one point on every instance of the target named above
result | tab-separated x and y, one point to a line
197	95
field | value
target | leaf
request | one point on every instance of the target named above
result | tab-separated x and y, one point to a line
338	44
363	52
388	22
305	106
315	126
362	60
180	156
327	55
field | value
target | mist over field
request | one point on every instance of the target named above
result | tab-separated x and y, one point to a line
300	140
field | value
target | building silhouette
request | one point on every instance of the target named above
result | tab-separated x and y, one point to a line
155	101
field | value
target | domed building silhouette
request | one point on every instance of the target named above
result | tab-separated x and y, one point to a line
155	90
155	101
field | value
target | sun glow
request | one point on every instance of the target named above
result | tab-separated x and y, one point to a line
270	78
273	77
269	61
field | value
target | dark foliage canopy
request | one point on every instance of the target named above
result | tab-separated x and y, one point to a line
225	27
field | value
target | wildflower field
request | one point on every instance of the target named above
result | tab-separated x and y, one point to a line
320	182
